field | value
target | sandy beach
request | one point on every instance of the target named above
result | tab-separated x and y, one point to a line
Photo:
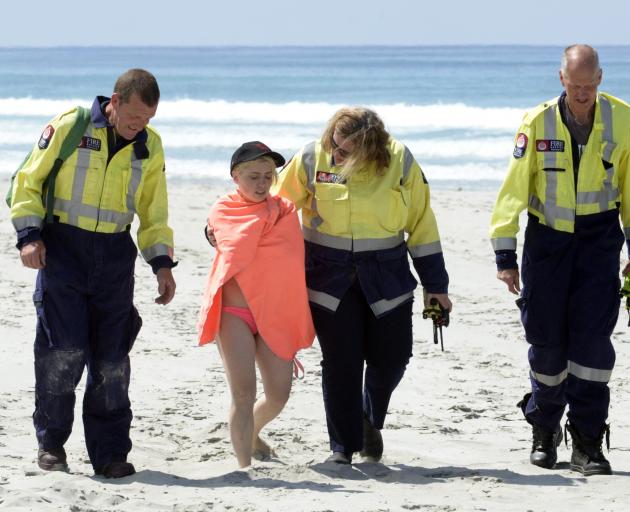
454	439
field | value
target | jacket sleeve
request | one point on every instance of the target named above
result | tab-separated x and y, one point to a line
513	198
423	242
27	209
155	237
292	181
624	188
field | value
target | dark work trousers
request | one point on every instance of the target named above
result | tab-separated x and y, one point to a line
569	307
85	317
349	338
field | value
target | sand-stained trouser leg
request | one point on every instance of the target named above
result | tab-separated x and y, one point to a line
569	308
348	338
85	316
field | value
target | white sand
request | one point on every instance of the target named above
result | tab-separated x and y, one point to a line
454	439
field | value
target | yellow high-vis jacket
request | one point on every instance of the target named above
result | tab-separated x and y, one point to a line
541	174
356	228
95	195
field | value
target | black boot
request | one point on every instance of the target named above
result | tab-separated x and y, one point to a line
372	442
545	446
587	457
52	460
545	442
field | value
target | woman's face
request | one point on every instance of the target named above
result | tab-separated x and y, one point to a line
341	148
254	180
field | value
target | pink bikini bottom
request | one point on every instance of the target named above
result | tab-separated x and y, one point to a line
244	314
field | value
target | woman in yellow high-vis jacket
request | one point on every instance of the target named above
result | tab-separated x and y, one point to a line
360	192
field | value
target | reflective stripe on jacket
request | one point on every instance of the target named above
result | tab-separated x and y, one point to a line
355	229
541	174
94	195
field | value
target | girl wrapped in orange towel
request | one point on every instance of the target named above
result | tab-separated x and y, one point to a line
255	304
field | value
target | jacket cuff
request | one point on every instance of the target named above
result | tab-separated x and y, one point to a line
506	259
432	272
162	262
27	235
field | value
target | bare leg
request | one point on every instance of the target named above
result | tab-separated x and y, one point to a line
276	378
238	352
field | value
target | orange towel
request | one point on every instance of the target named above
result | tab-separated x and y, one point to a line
261	246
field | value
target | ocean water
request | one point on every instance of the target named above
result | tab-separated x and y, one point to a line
457	108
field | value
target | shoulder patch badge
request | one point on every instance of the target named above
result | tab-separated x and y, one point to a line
520	146
90	143
45	137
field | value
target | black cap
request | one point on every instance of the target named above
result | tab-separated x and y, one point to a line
253	150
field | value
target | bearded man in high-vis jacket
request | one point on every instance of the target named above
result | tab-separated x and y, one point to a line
571	169
85	257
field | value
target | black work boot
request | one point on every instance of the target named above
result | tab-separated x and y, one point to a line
372	442
587	457
545	446
544	442
118	469
52	460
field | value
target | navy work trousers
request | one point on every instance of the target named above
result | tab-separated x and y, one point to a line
351	338
569	307
85	317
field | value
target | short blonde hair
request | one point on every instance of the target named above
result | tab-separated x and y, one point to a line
245	165
365	129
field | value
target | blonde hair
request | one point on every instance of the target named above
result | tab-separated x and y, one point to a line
363	128
245	165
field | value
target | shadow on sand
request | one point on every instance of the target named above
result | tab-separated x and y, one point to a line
396	473
405	474
233	479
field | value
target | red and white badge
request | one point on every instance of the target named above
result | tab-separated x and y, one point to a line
45	137
550	145
520	146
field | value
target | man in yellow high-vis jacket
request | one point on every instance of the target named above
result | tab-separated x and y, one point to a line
85	257
571	169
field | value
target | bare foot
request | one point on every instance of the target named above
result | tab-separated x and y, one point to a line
262	451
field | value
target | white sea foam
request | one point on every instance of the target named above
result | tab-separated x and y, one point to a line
450	141
397	115
282	138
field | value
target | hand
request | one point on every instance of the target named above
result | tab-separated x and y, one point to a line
33	254
210	236
166	286
442	298
626	269
511	278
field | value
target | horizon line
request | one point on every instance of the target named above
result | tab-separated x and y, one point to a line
306	46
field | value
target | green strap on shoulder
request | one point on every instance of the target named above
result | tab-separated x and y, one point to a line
68	146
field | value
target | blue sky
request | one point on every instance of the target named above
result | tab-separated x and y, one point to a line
330	22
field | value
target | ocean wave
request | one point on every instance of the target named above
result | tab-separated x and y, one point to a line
457	146
198	169
396	115
466	167
208	140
